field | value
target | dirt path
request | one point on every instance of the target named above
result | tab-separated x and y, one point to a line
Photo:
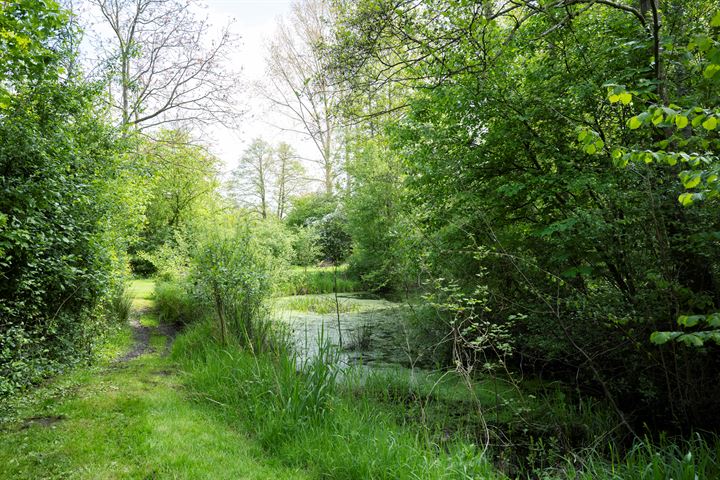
141	340
142	334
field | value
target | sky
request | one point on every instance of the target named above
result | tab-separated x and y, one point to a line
255	22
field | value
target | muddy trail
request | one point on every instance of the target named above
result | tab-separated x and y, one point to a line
141	335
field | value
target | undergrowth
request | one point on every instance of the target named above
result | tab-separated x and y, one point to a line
317	280
295	411
320	305
173	303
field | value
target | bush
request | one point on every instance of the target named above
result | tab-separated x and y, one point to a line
232	275
169	261
57	160
120	304
174	304
334	239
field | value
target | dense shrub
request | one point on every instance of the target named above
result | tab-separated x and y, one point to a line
585	209
232	275
174	303
333	237
56	163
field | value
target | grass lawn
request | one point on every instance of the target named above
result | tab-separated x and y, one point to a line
127	420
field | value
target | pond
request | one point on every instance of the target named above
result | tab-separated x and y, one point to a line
373	331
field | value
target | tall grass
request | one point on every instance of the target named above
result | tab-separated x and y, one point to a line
174	304
692	459
297	413
120	304
319	304
317	280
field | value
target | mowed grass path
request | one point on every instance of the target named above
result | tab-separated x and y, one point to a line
127	420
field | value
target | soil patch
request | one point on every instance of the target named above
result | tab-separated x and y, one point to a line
46	421
170	331
141	339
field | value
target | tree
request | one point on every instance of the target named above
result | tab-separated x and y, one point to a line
162	66
306	247
308	208
510	172
251	182
183	181
290	178
298	85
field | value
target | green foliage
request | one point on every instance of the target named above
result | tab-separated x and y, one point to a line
497	152
57	160
687	142
174	304
274	239
306	246
298	415
232	277
316	280
120	304
683	460
178	194
309	208
170	261
319	304
384	242
333	237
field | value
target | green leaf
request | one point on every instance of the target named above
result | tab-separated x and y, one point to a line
711	70
625	98
686	199
659	338
715	22
681	121
690	320
691	340
696	121
692	182
634	123
710	124
614	98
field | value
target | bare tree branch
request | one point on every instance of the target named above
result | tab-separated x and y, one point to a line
164	67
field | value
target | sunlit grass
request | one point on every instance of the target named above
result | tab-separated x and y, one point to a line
302	419
149	319
132	422
128	420
142	288
115	345
316	280
319	304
